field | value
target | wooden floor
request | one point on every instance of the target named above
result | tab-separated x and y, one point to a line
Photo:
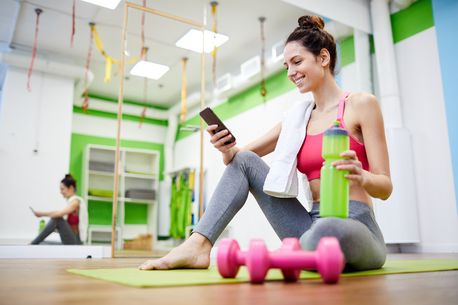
46	282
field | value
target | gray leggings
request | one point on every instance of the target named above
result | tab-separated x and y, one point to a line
65	231
360	237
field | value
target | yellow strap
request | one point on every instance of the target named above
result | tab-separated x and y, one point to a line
109	61
108	64
192	175
214	4
183	90
98	41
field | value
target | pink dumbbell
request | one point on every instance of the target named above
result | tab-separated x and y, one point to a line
327	259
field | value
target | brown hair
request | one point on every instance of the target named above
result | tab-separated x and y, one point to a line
69	181
313	37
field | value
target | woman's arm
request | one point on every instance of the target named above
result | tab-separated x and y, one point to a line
60	213
265	144
377	181
261	146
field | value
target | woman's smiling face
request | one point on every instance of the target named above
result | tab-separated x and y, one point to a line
304	68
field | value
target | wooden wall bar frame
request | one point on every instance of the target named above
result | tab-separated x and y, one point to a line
193	23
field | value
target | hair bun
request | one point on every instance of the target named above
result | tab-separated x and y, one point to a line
310	22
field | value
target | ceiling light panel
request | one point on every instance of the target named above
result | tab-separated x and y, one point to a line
149	69
192	40
111	4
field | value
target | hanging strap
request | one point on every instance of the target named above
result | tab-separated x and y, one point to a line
340	113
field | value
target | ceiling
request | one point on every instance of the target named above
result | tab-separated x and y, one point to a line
237	19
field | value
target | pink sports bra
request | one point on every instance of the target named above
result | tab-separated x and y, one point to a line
309	160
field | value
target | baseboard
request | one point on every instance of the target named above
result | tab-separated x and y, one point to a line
167	245
425	248
54	251
25	240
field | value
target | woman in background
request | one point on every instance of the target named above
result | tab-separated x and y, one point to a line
72	230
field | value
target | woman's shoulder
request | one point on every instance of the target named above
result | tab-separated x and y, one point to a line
75	198
361	99
361	102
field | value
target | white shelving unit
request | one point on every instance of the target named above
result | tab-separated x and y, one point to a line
139	174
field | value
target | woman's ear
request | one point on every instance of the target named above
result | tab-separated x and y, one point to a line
325	57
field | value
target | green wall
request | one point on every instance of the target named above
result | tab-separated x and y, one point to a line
412	20
114	116
100	211
405	23
276	85
126	101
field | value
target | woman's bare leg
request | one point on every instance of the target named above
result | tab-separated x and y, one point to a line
193	253
246	173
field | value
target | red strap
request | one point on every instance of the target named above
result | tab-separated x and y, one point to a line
142	36
340	113
85	105
34	49
73	24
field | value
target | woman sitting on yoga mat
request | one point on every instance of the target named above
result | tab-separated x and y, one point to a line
72	230
309	58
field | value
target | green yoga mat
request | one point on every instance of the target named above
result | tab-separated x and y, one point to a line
185	277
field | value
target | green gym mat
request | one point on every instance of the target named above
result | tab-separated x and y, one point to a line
186	277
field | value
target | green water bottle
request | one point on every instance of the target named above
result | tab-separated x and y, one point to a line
41	225
334	187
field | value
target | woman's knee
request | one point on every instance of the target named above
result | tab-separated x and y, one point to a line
325	227
53	221
244	159
359	248
245	156
58	220
252	166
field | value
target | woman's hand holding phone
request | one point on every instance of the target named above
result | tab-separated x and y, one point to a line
37	214
221	138
220	141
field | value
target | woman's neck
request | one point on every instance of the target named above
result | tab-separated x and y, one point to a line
327	94
70	196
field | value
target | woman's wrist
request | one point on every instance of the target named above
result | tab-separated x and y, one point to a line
40	214
230	154
377	186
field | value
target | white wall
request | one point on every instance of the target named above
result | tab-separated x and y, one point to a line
347	76
424	115
106	127
38	120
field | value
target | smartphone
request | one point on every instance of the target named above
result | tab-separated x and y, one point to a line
211	119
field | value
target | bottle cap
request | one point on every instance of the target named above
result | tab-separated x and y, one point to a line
336	130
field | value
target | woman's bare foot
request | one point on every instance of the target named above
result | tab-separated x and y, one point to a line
193	253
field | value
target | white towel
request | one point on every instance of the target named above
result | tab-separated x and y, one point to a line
282	179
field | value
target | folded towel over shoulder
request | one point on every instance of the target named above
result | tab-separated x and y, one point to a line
282	179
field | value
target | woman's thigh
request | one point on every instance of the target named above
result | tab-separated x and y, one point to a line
287	216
